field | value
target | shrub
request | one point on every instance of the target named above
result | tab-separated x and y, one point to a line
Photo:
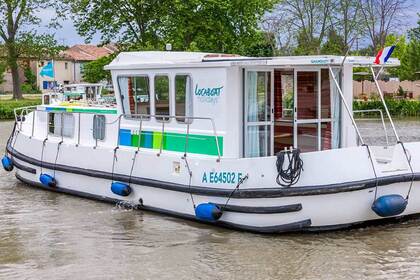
7	106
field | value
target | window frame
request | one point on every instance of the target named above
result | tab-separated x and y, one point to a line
171	92
189	100
129	115
61	134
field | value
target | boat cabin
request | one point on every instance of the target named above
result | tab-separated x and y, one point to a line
259	106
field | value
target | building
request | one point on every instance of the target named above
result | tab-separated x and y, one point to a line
68	67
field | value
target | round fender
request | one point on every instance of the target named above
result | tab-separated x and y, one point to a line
389	205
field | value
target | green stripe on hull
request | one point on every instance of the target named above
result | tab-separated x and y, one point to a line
197	144
81	110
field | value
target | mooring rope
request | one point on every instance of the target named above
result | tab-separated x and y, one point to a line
132	167
411	169
240	182
190	181
56	155
42	152
114	159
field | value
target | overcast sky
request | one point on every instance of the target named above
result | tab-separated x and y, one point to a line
67	35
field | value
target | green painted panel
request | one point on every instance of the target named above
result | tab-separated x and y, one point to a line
197	144
157	140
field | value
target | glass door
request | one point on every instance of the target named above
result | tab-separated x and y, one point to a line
258	118
312	109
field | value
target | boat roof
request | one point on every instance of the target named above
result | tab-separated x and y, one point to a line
172	59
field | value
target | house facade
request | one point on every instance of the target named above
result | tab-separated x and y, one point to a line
68	67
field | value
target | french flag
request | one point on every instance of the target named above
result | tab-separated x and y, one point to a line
383	55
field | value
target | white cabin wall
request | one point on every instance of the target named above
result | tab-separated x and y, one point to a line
225	108
234	114
348	132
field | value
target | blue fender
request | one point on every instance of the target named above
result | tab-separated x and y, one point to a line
120	189
389	205
208	212
47	180
7	163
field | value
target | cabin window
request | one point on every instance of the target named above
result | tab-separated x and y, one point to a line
135	94
162	97
183	97
258	116
99	127
61	124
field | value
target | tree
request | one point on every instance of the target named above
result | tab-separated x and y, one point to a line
16	18
3	67
335	44
309	20
380	18
217	25
415	32
94	71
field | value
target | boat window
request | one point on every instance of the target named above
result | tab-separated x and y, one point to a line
258	113
162	96
61	124
135	94
99	127
183	92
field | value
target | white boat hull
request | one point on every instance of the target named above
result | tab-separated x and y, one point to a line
251	208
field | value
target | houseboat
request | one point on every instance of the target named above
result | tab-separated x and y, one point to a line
265	145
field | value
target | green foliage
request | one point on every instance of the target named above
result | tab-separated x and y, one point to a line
29	86
93	72
397	107
334	45
7	106
409	55
3	67
415	32
211	26
263	46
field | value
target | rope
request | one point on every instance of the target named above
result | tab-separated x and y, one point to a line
114	159
190	180
289	176
411	169
42	152
56	156
240	182
132	167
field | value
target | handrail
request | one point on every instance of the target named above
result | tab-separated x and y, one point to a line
186	118
142	117
382	118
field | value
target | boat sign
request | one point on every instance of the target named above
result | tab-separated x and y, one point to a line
221	177
208	95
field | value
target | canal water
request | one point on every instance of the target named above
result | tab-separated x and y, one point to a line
44	235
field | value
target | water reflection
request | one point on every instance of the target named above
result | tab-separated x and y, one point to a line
56	236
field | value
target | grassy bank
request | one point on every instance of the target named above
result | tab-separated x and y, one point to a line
397	108
8	105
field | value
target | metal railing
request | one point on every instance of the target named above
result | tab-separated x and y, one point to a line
20	117
382	119
164	119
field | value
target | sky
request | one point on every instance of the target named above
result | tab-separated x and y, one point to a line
67	34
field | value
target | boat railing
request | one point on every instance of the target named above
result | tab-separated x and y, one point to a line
20	116
382	119
187	121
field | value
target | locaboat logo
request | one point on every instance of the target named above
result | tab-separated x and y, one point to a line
208	95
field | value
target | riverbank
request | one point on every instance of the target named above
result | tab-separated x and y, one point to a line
397	107
8	105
